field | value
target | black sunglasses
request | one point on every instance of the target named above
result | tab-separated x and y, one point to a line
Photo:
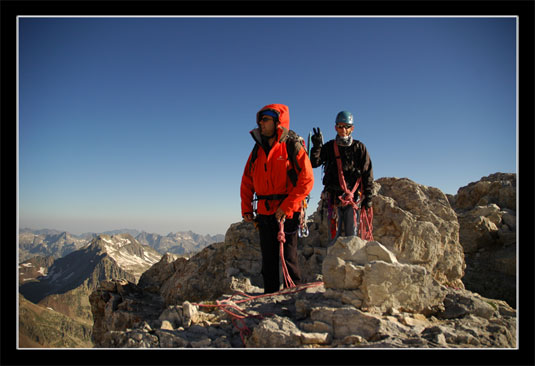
344	126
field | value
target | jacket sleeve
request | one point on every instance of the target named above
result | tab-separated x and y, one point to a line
305	182
367	171
247	189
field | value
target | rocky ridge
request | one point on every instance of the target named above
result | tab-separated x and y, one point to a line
47	243
402	290
486	211
182	243
377	303
56	244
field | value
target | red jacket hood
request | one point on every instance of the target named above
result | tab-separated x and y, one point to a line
282	111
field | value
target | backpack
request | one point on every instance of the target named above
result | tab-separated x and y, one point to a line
294	143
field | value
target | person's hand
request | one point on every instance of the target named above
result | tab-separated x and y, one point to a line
279	214
317	137
248	217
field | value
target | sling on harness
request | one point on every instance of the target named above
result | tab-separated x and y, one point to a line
347	199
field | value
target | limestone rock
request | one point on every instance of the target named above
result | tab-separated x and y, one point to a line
375	251
230	266
486	212
118	305
353	274
498	188
402	287
343	266
308	318
461	303
419	226
387	293
275	332
152	279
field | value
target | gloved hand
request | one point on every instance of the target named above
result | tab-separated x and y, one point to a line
317	137
367	202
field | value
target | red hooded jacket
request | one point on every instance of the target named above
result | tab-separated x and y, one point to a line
268	175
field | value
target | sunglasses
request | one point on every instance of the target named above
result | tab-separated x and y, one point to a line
265	119
344	126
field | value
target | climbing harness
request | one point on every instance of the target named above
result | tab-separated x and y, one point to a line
346	198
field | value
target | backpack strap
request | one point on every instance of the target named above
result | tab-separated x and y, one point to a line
254	154
294	143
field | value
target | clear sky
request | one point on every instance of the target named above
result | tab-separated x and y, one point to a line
144	123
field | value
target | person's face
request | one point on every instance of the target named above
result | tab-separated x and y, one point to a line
343	130
267	125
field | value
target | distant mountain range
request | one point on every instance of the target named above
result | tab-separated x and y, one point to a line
56	244
58	270
63	285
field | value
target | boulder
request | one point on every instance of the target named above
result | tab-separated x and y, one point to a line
277	332
155	276
233	265
497	188
368	275
402	288
419	226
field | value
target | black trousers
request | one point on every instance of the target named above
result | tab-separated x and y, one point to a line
268	227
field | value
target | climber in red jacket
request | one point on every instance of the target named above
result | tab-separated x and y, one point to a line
281	184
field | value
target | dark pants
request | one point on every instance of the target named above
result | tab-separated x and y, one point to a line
348	224
268	227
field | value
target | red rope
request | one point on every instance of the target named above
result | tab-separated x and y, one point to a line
366	224
282	239
366	215
347	197
238	317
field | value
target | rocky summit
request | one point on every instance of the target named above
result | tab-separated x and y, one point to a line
404	289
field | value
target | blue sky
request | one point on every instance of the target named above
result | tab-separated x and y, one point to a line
144	122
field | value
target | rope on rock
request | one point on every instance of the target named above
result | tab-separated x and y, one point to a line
239	315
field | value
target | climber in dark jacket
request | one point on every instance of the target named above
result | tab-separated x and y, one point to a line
356	163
